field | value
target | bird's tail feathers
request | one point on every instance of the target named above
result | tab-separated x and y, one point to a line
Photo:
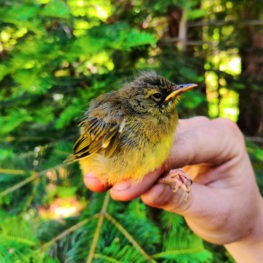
71	159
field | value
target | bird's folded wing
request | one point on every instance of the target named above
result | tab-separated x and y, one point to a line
97	136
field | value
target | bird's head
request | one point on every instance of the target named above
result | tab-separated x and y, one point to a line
153	94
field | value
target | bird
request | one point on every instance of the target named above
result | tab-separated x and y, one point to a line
129	132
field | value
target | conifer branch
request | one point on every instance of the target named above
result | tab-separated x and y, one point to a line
12	171
18	240
67	231
106	258
18	185
98	229
128	236
34	175
30	199
191	250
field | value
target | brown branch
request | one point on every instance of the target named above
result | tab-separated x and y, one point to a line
255	139
224	23
98	229
187	42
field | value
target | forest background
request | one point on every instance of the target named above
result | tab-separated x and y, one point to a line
55	56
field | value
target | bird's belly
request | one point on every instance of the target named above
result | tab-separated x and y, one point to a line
132	163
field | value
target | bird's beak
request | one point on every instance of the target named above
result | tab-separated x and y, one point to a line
178	89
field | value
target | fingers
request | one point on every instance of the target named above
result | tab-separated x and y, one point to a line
94	183
161	196
125	191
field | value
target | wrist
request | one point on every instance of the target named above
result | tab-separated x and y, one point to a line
250	247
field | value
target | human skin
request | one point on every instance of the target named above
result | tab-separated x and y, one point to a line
224	205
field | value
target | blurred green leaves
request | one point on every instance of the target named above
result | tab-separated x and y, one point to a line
57	9
47	49
255	151
14	119
119	36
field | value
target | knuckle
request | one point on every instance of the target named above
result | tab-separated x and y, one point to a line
202	119
229	127
223	122
232	131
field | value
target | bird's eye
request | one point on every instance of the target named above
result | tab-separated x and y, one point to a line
156	96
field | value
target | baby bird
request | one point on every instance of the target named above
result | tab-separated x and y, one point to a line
127	133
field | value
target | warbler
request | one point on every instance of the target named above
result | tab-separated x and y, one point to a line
127	133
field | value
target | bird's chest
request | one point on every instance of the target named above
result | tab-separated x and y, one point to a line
143	146
148	132
146	145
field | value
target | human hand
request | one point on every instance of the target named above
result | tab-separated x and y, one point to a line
224	204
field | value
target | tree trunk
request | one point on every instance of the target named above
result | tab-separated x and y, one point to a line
250	118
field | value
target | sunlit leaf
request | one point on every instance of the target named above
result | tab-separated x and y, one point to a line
56	8
3	71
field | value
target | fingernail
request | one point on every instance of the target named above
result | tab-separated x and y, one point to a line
122	186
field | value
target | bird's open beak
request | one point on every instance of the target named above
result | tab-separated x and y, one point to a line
178	89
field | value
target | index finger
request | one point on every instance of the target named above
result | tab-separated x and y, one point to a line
201	140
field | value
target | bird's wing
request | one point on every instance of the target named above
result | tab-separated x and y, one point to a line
98	136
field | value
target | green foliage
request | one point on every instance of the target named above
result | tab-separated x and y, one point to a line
180	243
112	37
55	56
256	156
18	241
255	151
